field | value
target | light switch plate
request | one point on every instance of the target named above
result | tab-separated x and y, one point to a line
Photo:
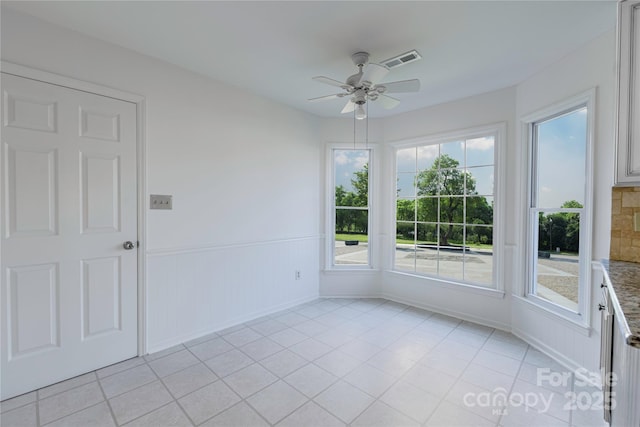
159	201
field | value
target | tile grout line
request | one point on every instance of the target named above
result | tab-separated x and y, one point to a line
104	395
515	378
177	402
37	407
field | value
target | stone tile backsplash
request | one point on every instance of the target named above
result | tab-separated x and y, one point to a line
625	242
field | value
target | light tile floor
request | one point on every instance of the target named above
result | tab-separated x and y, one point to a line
331	362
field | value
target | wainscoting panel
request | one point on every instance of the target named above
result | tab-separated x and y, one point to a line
195	291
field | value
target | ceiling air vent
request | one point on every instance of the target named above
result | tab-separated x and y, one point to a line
403	59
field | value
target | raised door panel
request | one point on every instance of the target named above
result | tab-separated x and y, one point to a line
100	193
31	113
99	125
33	309
32	191
101	296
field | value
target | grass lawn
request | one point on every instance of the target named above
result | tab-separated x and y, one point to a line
471	245
346	236
364	239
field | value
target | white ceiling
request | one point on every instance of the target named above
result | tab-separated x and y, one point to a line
274	48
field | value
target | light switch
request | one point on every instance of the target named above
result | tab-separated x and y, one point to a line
636	221
159	201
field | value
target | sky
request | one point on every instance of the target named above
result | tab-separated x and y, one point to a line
346	163
479	162
561	161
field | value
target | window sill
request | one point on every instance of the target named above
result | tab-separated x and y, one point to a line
577	326
456	286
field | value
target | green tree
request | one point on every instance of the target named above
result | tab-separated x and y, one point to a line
445	180
360	183
350	220
572	231
560	230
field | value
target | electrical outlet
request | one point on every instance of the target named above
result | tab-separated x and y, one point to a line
298	275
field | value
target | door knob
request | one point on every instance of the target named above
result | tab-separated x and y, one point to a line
128	245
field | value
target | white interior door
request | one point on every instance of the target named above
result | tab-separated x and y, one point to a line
69	287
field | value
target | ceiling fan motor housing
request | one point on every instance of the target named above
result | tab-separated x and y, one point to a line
360	59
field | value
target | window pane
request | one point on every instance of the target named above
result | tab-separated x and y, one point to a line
405	210
428	182
405	246
480	180
405	185
452	155
351	177
451	182
561	159
351	238
405	257
478	262
405	232
427	235
479	237
428	209
427	155
479	210
480	151
451	262
427	259
558	267
406	160
451	235
452	209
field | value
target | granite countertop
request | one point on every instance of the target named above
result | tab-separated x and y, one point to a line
624	278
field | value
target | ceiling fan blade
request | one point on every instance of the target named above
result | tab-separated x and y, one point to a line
373	73
387	102
328	81
327	97
400	86
349	107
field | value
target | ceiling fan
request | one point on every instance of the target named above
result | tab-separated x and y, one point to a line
363	86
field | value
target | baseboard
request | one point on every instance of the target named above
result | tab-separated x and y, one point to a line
162	345
351	296
463	316
580	371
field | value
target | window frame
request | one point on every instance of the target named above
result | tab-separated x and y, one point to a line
330	220
498	131
582	316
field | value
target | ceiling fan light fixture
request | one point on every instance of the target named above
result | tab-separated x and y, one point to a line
361	114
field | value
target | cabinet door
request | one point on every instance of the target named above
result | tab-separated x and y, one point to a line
628	134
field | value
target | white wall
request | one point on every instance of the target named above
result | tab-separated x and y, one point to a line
592	66
243	172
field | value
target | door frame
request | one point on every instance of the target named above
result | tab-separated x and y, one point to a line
141	173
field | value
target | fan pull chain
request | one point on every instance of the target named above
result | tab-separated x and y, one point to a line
354	129
366	141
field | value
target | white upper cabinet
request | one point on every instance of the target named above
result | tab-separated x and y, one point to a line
628	135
